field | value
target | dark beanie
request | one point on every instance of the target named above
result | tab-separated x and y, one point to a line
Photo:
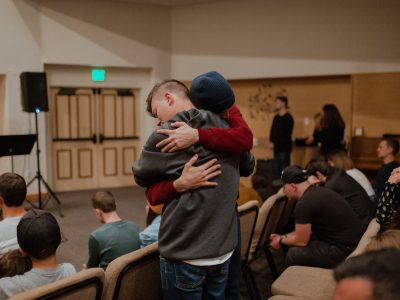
38	234
212	92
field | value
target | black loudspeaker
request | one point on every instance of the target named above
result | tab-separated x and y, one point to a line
34	91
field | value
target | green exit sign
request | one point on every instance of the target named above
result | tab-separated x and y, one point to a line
98	75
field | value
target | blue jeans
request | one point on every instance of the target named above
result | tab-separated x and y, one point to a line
183	281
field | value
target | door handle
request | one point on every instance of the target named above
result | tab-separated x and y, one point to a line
101	138
94	139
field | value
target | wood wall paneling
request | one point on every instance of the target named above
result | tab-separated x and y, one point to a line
255	99
376	100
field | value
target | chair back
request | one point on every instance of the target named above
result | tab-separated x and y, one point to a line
248	213
286	218
268	218
371	231
86	284
135	275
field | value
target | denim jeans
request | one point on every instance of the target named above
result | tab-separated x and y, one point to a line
316	254
180	280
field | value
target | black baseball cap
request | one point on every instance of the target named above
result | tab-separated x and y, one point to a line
38	234
294	174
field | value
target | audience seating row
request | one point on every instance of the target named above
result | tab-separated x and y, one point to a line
135	275
298	282
256	226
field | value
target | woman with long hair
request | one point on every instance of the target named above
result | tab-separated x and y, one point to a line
332	130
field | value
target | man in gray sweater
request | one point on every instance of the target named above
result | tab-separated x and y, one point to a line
198	231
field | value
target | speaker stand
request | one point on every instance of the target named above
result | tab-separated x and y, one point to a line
52	196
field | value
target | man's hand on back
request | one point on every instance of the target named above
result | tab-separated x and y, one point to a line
196	177
182	137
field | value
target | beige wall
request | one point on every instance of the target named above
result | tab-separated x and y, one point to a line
20	51
260	39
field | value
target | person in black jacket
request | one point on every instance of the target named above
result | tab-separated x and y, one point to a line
281	133
332	133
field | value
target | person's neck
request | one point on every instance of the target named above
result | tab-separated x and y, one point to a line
10	212
47	263
302	187
388	159
282	111
111	217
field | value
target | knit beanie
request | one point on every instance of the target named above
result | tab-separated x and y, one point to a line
212	92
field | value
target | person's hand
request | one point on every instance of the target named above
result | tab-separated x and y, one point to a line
313	180
270	145
182	137
197	177
274	241
395	177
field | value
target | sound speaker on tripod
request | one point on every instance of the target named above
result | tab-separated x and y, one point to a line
34	91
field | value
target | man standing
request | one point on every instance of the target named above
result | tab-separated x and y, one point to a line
281	133
387	150
327	230
198	231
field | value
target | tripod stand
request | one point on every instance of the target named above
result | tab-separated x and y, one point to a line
56	202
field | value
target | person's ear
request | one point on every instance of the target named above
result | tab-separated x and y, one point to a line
169	97
98	212
22	252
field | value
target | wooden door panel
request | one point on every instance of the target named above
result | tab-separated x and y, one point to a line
117	158
75	166
85	115
62	117
110	115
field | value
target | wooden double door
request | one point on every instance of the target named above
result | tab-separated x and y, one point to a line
94	137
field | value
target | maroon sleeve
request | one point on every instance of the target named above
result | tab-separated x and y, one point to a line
161	193
237	139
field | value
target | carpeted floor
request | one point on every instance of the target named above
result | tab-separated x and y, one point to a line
79	220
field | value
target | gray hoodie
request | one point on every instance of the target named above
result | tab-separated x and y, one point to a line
200	223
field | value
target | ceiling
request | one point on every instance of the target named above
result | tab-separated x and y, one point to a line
169	2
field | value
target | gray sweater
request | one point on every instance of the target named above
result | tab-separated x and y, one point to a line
200	223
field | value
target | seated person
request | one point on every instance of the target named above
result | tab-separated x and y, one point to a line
373	275
115	238
12	196
341	160
150	234
326	228
14	263
389	201
385	240
38	236
387	150
343	184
